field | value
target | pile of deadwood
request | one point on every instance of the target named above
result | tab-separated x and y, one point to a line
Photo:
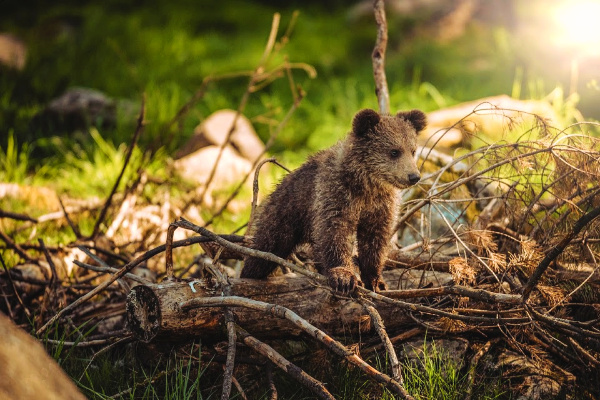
497	247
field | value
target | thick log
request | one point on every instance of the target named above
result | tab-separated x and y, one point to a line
154	311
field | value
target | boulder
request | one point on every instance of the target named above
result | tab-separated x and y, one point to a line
43	198
197	166
541	379
77	109
214	130
13	52
492	116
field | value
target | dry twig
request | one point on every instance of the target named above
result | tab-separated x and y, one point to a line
557	250
389	347
378	57
130	148
17	216
297	373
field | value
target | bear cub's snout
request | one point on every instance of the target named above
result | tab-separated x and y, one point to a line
414	178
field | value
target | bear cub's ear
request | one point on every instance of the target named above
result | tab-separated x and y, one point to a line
417	118
364	120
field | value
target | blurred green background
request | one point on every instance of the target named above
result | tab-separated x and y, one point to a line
439	53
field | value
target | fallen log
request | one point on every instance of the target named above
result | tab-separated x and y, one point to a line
154	311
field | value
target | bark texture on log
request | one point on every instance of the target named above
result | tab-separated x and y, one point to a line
154	313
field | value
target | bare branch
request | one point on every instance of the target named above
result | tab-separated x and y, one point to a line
557	250
378	56
16	216
385	339
16	247
119	274
286	313
297	373
136	135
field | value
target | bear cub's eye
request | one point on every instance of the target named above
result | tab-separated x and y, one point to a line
395	153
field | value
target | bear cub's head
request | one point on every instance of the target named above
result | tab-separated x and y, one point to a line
385	145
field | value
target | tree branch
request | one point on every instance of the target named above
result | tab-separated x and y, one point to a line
378	57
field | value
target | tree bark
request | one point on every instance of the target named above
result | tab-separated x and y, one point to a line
154	311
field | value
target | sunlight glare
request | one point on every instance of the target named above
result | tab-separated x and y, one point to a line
579	23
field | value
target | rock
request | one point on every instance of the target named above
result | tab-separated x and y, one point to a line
110	324
27	372
214	131
77	109
405	279
29	271
539	387
494	116
198	165
443	20
13	52
436	136
419	8
41	197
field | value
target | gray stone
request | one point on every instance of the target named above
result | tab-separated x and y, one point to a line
542	379
446	127
13	52
77	109
214	130
198	165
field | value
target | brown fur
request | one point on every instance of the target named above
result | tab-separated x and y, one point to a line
340	194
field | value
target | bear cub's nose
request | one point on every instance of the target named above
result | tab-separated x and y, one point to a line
414	178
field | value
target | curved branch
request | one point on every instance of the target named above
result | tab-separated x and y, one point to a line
297	373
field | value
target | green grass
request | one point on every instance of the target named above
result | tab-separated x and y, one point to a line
166	50
188	374
177	378
114	372
433	374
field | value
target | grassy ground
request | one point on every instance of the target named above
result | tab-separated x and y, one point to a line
166	49
188	374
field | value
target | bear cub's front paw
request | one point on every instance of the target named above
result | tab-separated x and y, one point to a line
376	284
342	279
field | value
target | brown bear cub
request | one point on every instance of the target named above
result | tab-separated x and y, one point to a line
344	194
